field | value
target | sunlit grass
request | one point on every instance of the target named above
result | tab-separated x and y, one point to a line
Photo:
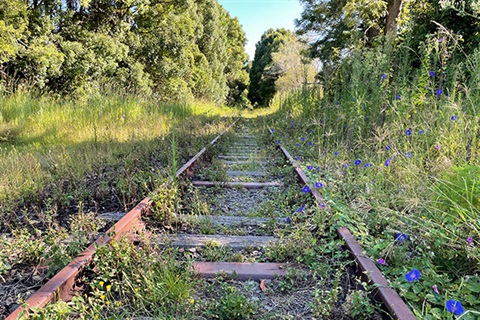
44	140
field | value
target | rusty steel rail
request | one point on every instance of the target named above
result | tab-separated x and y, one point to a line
388	296
62	285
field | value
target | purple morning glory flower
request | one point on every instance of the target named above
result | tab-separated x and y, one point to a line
469	240
388	147
306	189
453	118
300	209
438	92
441	40
381	261
336	153
345	165
288	220
408	132
454	306
309	167
318	185
398	97
413	275
357	162
435	289
400	237
431	73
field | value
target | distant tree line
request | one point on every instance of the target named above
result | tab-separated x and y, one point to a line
173	49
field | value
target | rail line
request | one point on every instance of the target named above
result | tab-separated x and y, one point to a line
64	284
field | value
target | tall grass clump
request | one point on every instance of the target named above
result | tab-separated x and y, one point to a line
395	138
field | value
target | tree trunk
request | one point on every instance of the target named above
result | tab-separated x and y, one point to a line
394	7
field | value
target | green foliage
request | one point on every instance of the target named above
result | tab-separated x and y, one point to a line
415	131
458	192
262	75
233	305
178	50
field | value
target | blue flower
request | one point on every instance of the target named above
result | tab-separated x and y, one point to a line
357	162
303	138
408	132
408	155
309	167
384	76
438	92
400	237
454	306
388	147
413	275
278	141
306	189
421	132
298	158
300	209
311	130
441	40
317	168
453	118
297	145
367	165
318	185
288	220
336	153
431	73
272	130
398	97
346	165
387	162
310	143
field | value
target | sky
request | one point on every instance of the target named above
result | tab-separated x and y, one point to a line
257	16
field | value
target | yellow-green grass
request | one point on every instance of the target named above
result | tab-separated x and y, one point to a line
47	142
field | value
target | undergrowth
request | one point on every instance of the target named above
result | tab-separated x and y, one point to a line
395	153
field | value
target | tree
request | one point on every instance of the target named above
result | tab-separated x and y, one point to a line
294	68
236	67
262	77
176	49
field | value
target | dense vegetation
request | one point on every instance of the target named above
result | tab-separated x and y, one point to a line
392	137
175	50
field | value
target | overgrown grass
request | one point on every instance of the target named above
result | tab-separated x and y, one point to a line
61	162
397	151
57	153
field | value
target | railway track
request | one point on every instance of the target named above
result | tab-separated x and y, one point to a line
243	217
